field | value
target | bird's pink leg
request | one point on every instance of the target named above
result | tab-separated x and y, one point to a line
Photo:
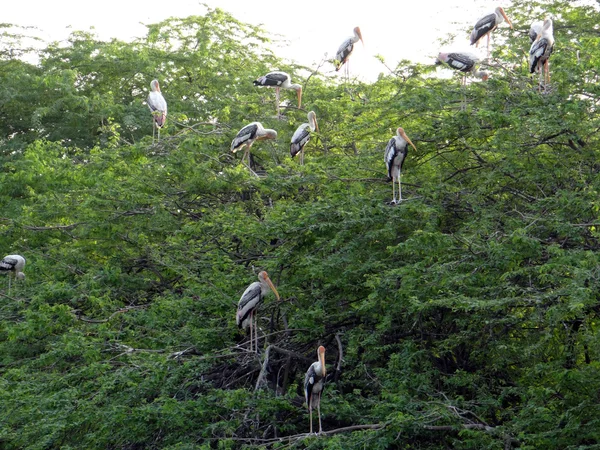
277	89
400	185
302	157
488	45
310	418
319	412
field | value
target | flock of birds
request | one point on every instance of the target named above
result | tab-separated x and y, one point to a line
542	42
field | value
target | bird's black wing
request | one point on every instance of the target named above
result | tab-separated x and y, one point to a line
483	26
310	380
8	263
460	61
299	140
390	154
245	134
540	49
272	79
343	52
250	299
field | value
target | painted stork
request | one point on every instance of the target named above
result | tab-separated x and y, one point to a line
14	265
158	108
534	30
345	50
248	304
246	136
279	80
302	136
540	51
314	381
463	62
486	25
395	154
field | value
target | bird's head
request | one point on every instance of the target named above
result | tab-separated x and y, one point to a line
155	86
401	133
500	10
359	34
321	356
264	277
441	58
20	276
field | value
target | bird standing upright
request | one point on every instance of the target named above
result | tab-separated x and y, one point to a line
158	107
279	80
247	135
13	264
540	51
249	301
302	136
486	25
345	50
395	154
314	381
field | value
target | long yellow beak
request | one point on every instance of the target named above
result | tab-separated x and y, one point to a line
506	18
270	283
407	139
299	91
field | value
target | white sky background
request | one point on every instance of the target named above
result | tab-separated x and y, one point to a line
395	29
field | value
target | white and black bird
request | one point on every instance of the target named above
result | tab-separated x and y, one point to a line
302	136
314	382
14	266
395	155
346	48
247	136
158	107
279	80
463	62
486	25
249	302
540	51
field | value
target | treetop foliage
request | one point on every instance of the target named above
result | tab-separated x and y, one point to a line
464	317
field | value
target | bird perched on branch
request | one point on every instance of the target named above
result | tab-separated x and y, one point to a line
395	154
158	108
279	80
314	381
486	25
345	50
540	51
247	136
13	265
249	302
302	136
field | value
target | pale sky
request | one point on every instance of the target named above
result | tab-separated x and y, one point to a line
395	29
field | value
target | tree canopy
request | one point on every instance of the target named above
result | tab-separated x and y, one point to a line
464	317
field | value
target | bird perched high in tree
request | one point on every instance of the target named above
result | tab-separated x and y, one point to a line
14	266
158	107
486	25
314	382
345	50
302	136
247	136
395	155
249	302
540	51
279	80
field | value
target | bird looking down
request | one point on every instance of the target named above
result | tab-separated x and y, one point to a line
13	265
302	136
314	382
279	80
158	107
394	157
249	302
247	136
